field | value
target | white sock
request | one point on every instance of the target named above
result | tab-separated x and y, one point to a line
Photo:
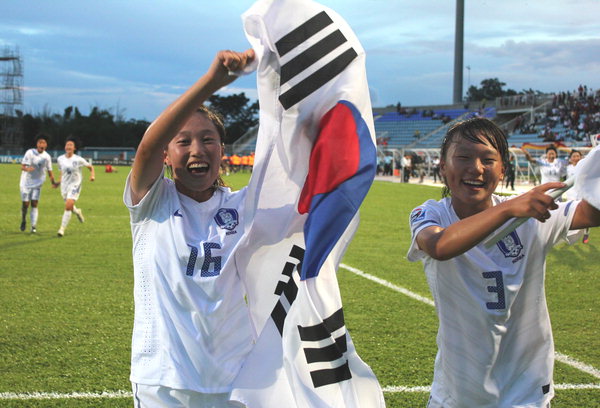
33	215
65	219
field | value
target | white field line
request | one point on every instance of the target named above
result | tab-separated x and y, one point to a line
427	389
559	356
390	285
128	394
56	395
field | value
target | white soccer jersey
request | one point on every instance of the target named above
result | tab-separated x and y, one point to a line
191	328
495	346
42	162
551	171
70	182
571	193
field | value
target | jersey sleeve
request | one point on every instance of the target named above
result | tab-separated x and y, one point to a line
148	205
27	158
81	162
556	228
425	215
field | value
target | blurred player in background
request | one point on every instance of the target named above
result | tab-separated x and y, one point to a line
551	167
34	166
495	346
70	165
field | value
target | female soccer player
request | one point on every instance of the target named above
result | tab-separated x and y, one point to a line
551	168
70	165
191	330
34	166
495	346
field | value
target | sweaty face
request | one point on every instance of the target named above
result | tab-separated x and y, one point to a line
195	157
41	145
472	172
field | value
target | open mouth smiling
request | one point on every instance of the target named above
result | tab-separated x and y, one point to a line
197	168
474	183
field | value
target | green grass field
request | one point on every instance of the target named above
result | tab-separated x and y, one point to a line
66	304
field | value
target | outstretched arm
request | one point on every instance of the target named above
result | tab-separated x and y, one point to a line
148	162
446	243
527	155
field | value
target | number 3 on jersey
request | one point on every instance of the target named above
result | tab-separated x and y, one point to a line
498	289
211	265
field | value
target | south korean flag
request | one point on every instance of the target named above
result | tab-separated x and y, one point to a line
315	162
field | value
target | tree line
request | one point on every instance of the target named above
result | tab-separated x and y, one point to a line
108	128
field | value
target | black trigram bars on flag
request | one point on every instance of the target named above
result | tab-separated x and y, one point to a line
312	62
287	291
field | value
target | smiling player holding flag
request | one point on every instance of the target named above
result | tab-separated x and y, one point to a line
495	346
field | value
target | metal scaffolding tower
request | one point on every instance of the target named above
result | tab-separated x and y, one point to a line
11	98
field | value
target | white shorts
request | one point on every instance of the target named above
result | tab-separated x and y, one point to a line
71	192
157	396
30	194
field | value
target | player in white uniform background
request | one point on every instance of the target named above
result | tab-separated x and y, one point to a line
495	346
551	167
70	165
191	328
36	162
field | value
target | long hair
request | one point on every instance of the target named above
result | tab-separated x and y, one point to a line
216	120
476	130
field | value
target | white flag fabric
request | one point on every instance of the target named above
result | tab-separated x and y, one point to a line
314	163
587	178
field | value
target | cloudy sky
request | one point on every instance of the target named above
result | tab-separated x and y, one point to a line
136	56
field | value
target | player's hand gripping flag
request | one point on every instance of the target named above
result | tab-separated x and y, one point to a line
315	161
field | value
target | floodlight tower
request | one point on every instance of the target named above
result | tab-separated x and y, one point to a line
11	98
458	51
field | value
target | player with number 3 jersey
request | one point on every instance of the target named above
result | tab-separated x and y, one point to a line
495	346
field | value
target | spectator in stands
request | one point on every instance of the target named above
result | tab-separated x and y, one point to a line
551	167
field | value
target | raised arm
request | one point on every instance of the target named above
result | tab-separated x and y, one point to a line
527	155
148	162
446	243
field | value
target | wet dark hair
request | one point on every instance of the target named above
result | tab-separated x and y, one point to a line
216	120
475	130
41	135
552	147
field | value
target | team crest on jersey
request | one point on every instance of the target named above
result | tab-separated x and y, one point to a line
417	215
227	218
510	245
